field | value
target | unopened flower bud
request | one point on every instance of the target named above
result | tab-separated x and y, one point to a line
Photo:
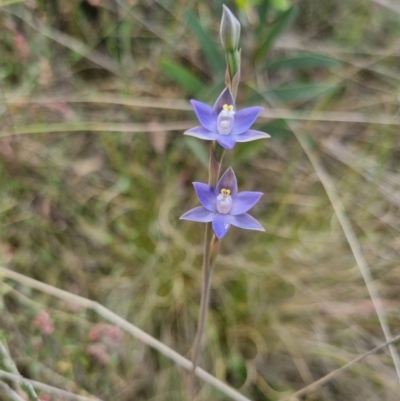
229	31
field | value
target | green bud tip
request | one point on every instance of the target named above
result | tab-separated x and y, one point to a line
229	31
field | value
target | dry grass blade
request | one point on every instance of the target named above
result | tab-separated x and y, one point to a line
46	388
178	104
10	366
330	376
390	5
354	244
387	185
128	327
97	126
8	392
69	42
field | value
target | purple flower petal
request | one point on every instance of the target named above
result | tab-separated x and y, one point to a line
224	98
202	133
246	221
200	214
244	201
228	181
244	119
207	196
226	141
206	115
251	135
221	224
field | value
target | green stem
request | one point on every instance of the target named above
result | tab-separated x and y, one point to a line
211	248
219	153
233	62
205	296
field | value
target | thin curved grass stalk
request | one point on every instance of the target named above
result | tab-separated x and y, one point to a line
354	245
327	378
9	392
65	395
145	338
352	240
8	364
123	324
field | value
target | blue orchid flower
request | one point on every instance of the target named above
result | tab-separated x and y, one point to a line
224	205
222	123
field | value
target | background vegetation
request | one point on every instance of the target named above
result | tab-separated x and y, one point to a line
95	173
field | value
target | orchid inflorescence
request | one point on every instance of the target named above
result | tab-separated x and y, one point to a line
222	205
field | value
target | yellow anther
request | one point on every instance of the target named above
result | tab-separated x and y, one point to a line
227	107
225	192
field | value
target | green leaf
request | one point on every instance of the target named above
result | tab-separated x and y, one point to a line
214	57
237	370
281	5
246	151
181	75
296	92
9	2
280	26
197	147
242	4
278	129
303	61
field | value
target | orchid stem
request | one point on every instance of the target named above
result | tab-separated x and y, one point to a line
205	296
211	248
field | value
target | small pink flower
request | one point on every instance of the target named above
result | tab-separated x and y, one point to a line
99	352
94	334
114	333
106	333
44	322
105	339
21	46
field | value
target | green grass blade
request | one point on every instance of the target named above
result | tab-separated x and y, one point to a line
246	151
214	57
198	149
297	92
280	26
181	75
9	2
302	61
